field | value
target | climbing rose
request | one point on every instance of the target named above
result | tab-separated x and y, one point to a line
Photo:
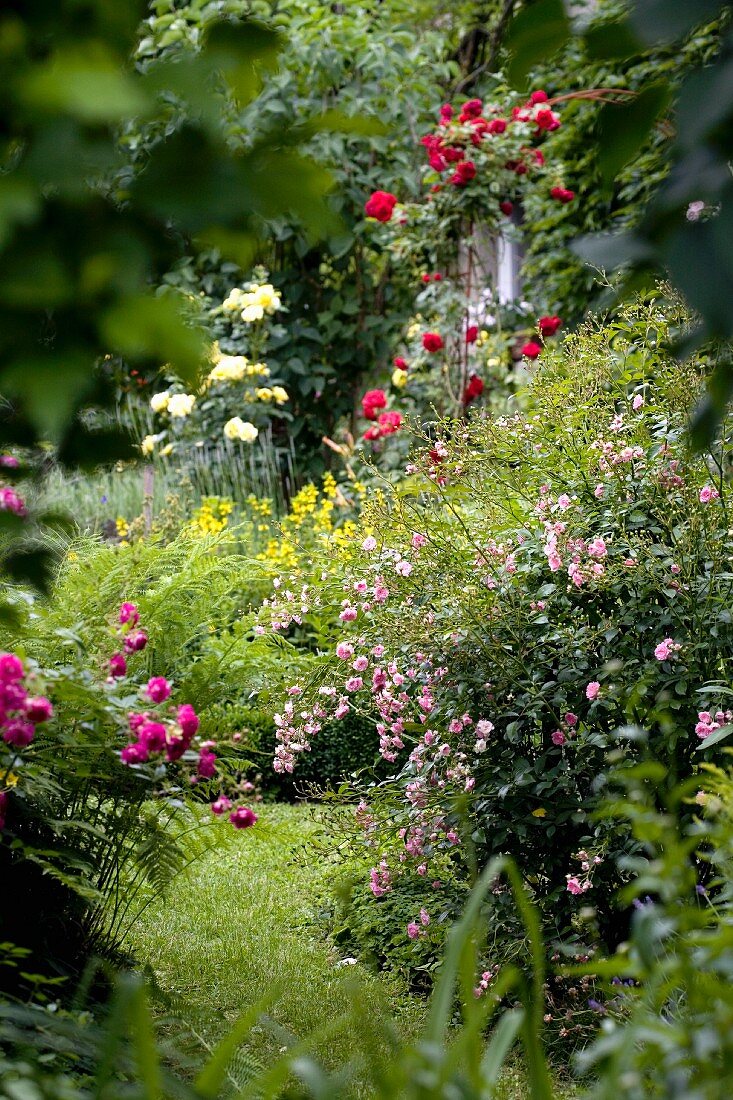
471	109
666	649
708	493
546	119
380	205
19	733
38	709
592	690
117	665
413	930
558	737
136	641
371	402
548	326
207	764
463	174
506	207
389	422
400	363
11	667
497	126
243	817
474	388
531	350
562	194
129	614
188	720
538	97
152	736
432	341
158	689
134	753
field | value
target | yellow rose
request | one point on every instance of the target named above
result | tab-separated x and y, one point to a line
399	378
159	401
267	297
280	395
263	394
239	429
181	404
148	444
233	300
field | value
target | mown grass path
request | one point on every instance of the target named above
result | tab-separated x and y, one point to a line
240	923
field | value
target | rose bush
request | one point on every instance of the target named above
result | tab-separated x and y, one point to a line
535	583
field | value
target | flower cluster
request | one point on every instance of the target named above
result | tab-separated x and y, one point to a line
708	723
582	881
254	303
164	732
20	711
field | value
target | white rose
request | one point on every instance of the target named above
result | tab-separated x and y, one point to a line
159	401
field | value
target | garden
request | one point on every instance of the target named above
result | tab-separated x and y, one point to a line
367	602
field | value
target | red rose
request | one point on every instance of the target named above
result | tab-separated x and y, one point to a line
497	126
437	162
538	97
474	389
446	112
463	174
425	277
400	363
548	326
531	350
371	402
472	108
372	433
520	114
436	187
437	277
452	154
380	206
506	207
547	119
471	334
432	341
390	422
562	194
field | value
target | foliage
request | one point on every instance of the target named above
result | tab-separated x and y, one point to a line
667	1013
377	1059
684	227
538	581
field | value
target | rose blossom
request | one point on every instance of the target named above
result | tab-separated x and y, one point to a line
592	690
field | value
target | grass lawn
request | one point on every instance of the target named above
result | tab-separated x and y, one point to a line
238	924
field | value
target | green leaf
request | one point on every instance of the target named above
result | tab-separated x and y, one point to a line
49	389
241	51
211	1078
624	128
19	204
33	566
84	81
535	34
144	327
658	21
611	41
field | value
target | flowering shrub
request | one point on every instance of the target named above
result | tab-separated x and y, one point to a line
534	583
238	396
481	161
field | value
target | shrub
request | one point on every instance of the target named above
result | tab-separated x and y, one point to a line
534	583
